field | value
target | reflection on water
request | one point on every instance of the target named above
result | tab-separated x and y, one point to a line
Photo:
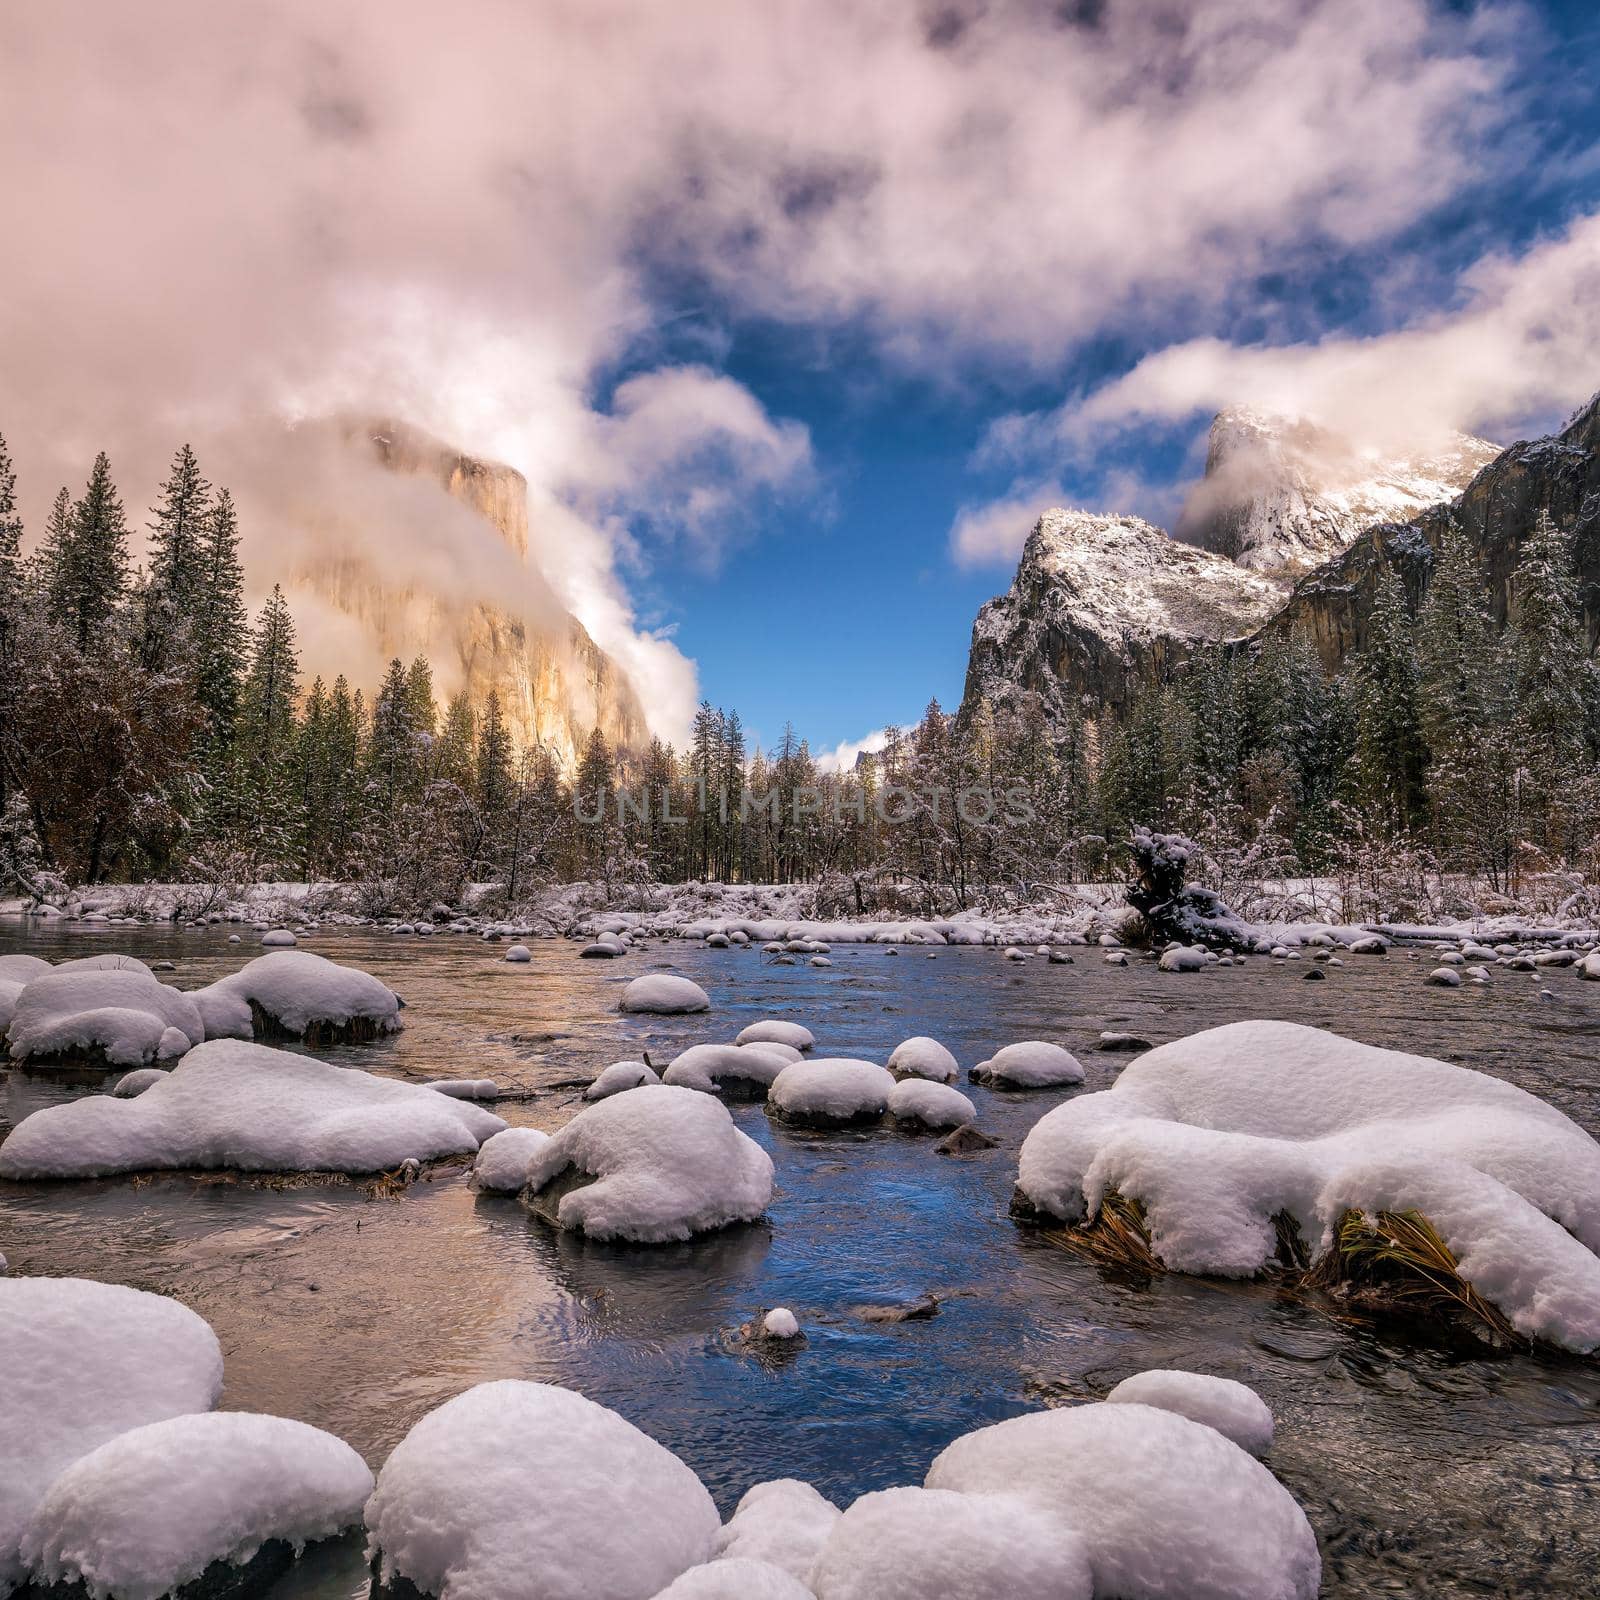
1423	1471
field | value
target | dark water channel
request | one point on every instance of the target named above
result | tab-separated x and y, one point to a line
1425	1472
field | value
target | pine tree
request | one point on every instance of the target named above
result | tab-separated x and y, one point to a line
12	584
1391	758
180	533
220	626
266	737
493	781
90	560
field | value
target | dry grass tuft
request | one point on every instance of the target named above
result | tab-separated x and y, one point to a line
1117	1237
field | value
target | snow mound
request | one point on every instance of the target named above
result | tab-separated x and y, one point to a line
151	1509
780	1323
246	1107
667	1163
136	1082
1183	958
666	993
1217	1133
773	1030
117	1017
10	989
910	1544
618	1076
1029	1064
737	1579
279	939
84	1362
517	1489
739	1070
784	1522
935	1105
1235	1410
1167	1508
465	1088
299	995
502	1164
832	1089
923	1057
21	969
518	953
106	961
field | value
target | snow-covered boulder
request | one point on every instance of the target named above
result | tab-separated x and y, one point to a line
279	939
150	1510
1234	1409
933	1105
22	968
655	1164
1029	1064
1445	978
666	993
514	1490
106	961
501	1166
294	994
833	1089
517	954
136	1082
784	1522
101	1017
1165	1507
908	1544
735	1071
1184	958
10	990
618	1076
923	1057
243	1106
1218	1133
464	1088
773	1030
83	1362
780	1323
736	1579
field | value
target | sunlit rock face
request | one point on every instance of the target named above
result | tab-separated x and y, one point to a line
1281	495
555	683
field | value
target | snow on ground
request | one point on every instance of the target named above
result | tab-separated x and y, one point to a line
909	1544
1218	1132
831	1089
738	1579
935	1105
1234	1409
502	1164
1029	1064
121	1017
667	1163
748	1068
620	1075
517	1488
773	1030
151	1509
298	991
84	1362
243	1106
784	1522
664	992
1165	1507
923	1057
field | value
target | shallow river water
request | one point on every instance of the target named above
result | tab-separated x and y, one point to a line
1425	1471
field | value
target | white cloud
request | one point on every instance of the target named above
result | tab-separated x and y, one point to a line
842	758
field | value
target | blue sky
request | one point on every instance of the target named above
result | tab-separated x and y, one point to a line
840	607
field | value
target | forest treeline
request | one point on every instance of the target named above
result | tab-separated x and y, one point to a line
150	729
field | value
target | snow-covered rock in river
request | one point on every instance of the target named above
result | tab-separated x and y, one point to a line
84	1362
21	968
933	1105
1234	1409
501	1166
832	1089
465	1088
279	939
620	1075
773	1030
784	1522
518	1489
150	1510
1281	494
136	1082
666	993
1102	604
518	953
1029	1064
1218	1133
911	1544
297	995
1165	1507
243	1106
99	1016
735	1071
923	1057
655	1164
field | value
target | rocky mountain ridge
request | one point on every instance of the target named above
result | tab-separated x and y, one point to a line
1101	604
